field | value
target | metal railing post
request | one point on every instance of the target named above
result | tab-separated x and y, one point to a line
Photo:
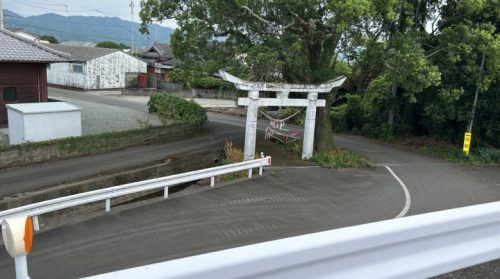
165	192
36	224
21	264
108	205
212	181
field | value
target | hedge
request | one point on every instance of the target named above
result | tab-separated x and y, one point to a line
169	107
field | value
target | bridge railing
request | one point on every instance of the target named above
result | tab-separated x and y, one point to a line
419	246
36	209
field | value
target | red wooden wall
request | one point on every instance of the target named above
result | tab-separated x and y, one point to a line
30	81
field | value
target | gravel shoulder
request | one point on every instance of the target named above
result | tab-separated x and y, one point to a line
101	118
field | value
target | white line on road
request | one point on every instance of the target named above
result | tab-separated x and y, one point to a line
407	194
229	123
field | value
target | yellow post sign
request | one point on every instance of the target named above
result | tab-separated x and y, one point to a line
467	142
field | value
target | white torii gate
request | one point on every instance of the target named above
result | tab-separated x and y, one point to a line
253	102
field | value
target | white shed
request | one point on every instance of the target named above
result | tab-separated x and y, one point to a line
31	122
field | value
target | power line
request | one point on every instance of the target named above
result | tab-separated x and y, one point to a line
69	32
51	9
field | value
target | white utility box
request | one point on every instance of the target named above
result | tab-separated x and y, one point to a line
31	122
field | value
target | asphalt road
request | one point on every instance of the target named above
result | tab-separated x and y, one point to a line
289	202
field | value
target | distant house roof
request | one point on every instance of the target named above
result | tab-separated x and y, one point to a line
14	48
159	51
84	54
159	54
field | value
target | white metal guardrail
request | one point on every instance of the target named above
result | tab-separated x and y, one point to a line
36	209
419	246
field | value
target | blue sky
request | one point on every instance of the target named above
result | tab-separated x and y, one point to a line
114	8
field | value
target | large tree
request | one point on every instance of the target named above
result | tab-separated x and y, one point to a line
288	40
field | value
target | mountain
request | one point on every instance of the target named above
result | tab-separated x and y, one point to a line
87	28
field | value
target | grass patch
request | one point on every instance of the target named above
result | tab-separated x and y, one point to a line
339	158
34	152
92	143
233	155
334	159
481	156
477	156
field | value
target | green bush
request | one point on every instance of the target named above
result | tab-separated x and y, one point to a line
211	83
169	107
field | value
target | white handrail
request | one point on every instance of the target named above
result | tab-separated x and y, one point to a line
107	194
420	246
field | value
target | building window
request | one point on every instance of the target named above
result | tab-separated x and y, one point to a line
9	94
77	68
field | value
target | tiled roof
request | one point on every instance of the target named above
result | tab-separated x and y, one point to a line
16	49
82	53
162	51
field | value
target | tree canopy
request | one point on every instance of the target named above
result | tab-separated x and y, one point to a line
110	44
48	38
412	65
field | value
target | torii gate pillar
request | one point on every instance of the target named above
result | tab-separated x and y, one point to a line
309	125
251	125
253	102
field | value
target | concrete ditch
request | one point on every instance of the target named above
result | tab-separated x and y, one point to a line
170	165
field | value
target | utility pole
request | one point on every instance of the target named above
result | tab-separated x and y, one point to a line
132	26
1	14
468	133
469	128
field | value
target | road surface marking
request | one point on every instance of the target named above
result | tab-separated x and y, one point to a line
407	194
235	124
229	123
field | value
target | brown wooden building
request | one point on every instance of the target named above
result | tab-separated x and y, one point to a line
160	59
23	74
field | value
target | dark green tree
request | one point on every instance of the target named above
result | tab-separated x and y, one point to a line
467	32
50	39
109	44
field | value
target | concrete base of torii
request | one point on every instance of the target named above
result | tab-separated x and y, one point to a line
253	102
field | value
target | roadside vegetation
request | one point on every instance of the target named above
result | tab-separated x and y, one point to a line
333	159
169	107
339	158
478	156
233	155
34	152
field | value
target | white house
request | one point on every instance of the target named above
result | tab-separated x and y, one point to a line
25	35
93	68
